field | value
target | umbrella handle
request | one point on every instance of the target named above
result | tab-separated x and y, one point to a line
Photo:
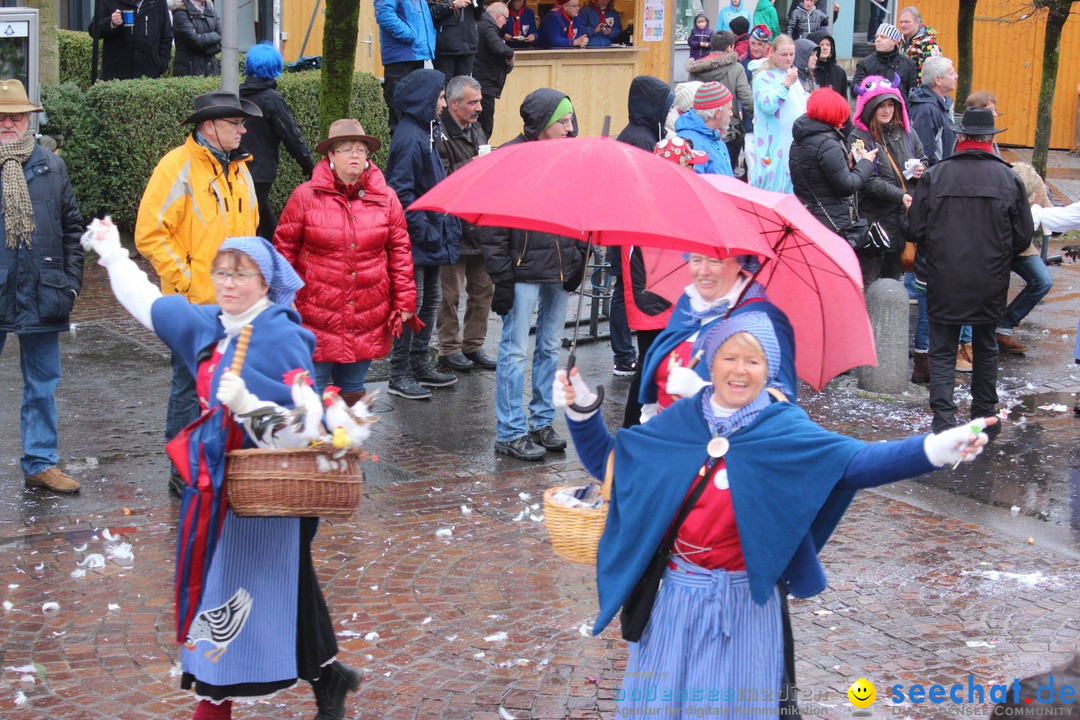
570	362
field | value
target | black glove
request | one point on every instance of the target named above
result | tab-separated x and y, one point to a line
503	298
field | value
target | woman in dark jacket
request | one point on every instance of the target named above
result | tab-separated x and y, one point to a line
197	34
828	73
881	121
264	135
821	174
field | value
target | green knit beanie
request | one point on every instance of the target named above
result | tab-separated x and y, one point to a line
563	108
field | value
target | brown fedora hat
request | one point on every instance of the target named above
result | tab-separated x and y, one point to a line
220	104
13	98
348	129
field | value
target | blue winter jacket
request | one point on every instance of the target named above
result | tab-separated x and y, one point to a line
38	284
406	32
554	28
931	117
413	167
690	126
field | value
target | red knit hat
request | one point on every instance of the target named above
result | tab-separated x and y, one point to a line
679	151
711	95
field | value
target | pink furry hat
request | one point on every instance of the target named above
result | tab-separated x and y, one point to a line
873	91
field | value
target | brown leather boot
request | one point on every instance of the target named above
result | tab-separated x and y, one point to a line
921	374
54	480
352	398
963	358
1009	344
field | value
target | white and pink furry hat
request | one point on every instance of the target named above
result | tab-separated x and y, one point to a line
873	91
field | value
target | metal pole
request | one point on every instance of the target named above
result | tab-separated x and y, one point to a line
95	34
230	54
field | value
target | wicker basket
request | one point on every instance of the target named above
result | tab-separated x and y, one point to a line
575	532
288	483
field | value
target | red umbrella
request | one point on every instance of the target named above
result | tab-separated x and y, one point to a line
815	279
598	190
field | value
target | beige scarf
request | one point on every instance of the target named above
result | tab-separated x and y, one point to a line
18	212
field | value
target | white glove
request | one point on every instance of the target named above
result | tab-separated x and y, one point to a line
582	395
959	444
684	382
103	238
232	392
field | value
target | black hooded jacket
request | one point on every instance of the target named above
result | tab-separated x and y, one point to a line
648	104
525	255
828	73
887	65
820	174
275	127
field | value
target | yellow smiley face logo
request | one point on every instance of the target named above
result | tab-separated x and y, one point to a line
862	693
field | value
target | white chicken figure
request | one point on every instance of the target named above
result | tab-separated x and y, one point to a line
307	407
219	626
269	424
349	426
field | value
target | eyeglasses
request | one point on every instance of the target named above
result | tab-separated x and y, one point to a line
240	278
234	123
13	117
360	151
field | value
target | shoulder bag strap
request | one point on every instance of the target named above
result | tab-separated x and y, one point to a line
899	175
687	506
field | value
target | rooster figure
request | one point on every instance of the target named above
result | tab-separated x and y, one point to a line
349	426
219	626
272	426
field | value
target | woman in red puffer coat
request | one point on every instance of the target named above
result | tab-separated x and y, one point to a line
344	231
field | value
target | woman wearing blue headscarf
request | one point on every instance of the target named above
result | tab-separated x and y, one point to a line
765	487
242	584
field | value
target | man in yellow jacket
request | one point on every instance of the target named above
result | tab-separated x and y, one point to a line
200	194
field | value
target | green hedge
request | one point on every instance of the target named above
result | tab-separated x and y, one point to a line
76	50
116	132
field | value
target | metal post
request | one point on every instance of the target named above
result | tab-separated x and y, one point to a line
230	53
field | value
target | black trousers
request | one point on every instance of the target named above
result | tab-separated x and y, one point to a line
632	412
453	65
944	338
487	115
267	216
391	74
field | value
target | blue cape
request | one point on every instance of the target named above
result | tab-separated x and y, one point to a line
677	330
783	470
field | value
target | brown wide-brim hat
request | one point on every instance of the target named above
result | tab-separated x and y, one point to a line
221	104
13	98
348	129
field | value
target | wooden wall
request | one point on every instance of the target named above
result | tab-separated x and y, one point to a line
1008	63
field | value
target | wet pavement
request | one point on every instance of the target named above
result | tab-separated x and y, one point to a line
929	580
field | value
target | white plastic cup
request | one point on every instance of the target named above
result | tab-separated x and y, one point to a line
483	150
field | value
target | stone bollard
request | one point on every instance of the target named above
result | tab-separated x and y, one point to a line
887	303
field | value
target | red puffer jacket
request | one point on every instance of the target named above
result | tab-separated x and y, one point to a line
351	247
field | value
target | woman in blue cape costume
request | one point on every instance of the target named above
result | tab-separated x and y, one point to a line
249	609
775	486
721	287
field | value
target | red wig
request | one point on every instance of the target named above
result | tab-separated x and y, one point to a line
828	106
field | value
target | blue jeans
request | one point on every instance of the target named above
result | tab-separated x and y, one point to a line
1037	282
347	376
922	326
39	360
622	344
549	302
410	351
183	408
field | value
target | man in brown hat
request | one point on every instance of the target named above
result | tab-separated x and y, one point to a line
970	218
199	194
42	262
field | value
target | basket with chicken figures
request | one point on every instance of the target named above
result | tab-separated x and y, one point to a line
575	531
323	480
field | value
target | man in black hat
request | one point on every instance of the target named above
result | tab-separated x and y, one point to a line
970	218
199	194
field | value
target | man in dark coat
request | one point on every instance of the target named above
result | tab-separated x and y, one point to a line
138	50
41	264
460	142
532	271
456	42
494	59
264	135
930	108
412	168
887	61
970	219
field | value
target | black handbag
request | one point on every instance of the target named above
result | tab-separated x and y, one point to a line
637	608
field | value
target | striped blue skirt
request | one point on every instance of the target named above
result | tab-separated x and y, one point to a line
708	649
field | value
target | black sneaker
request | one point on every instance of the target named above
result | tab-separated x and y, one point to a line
548	438
408	388
523	448
430	377
625	369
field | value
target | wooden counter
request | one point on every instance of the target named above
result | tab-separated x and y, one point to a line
597	82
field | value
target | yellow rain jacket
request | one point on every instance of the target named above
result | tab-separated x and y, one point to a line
188	209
